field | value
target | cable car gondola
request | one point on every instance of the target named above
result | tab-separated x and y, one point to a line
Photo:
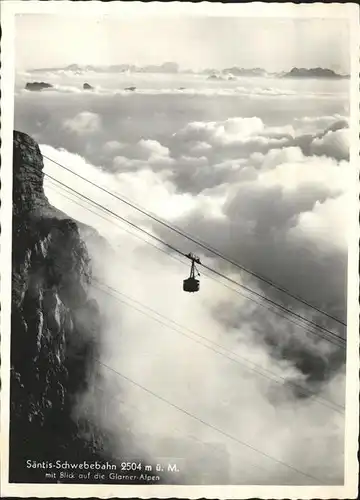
191	284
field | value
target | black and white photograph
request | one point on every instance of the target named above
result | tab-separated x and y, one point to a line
179	256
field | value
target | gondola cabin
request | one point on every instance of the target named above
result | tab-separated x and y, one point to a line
191	284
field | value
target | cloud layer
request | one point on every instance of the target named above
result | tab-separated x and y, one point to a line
265	184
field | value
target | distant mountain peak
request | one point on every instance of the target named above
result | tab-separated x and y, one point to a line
312	73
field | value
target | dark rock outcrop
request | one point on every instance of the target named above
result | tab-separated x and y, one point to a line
37	86
52	347
87	86
131	89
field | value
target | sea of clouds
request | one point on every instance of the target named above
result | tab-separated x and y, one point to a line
264	181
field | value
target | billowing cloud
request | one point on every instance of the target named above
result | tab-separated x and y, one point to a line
83	123
317	123
144	154
334	144
152	149
321	223
225	132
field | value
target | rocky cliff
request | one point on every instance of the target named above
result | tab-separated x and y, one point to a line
52	346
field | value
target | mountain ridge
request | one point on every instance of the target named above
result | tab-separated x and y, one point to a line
173	68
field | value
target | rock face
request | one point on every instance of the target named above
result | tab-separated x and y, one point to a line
37	86
87	86
55	326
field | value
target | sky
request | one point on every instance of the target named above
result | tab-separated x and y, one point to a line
194	43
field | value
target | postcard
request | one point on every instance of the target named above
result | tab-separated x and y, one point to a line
179	252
